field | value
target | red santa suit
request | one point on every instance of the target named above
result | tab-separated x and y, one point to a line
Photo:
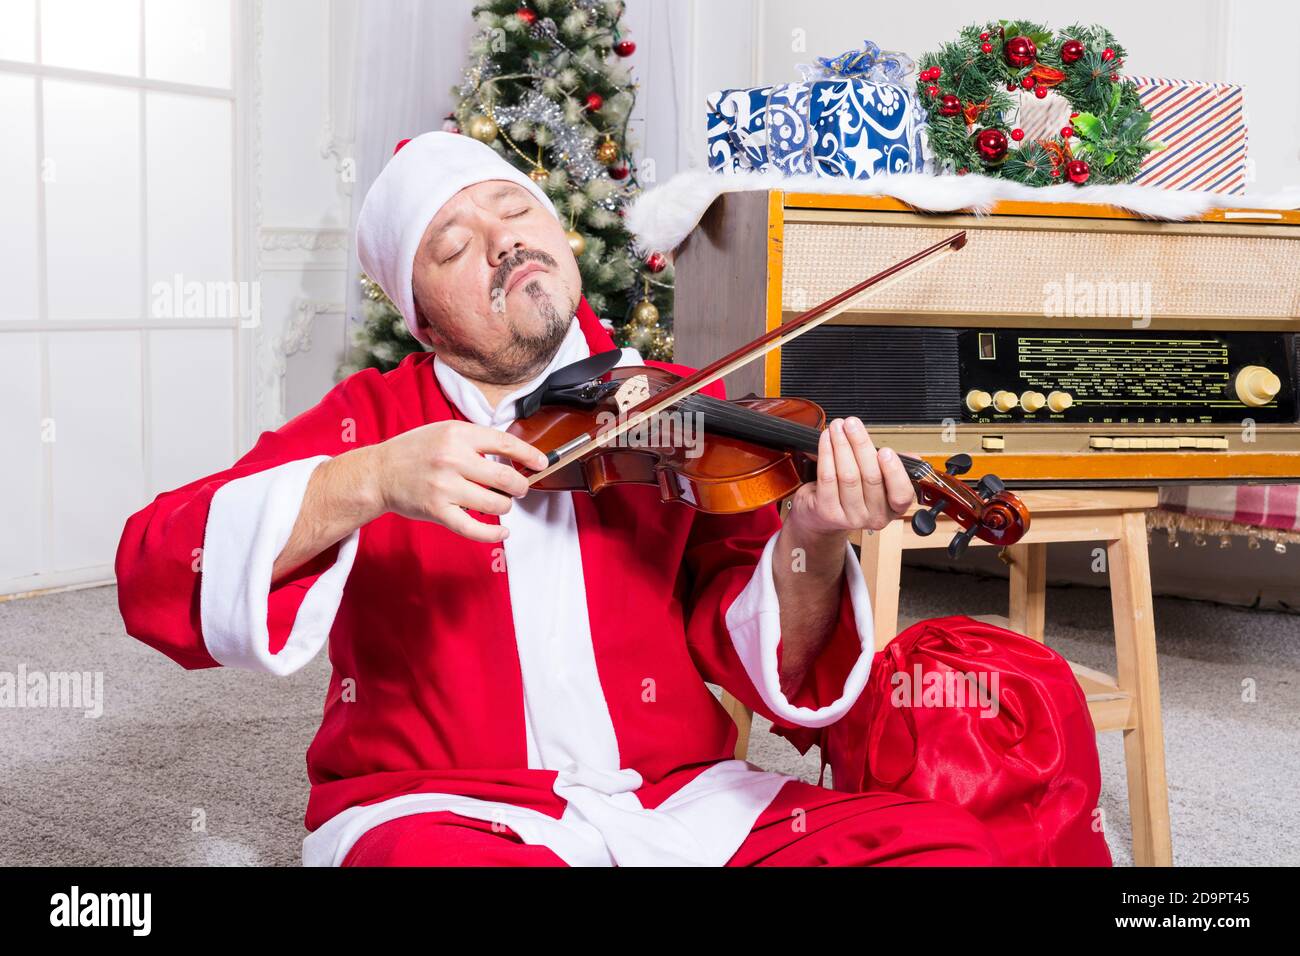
553	685
543	699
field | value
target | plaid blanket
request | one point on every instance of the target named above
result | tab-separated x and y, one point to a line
1271	512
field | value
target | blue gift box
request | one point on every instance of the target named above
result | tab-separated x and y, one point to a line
852	128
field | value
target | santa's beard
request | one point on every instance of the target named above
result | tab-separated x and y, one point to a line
525	354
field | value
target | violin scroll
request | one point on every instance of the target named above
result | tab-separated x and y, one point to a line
988	511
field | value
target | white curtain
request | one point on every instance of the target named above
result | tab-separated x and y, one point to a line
410	53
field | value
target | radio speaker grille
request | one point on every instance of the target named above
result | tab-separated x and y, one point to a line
855	370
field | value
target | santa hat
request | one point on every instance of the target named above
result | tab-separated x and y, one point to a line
423	174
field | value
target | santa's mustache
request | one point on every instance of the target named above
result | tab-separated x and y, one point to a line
503	271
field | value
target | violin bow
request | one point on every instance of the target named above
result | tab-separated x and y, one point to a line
577	447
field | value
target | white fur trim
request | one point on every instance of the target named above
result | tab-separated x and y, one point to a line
664	216
754	622
249	522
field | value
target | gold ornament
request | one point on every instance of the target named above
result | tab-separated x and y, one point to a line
645	314
538	174
482	128
577	241
607	152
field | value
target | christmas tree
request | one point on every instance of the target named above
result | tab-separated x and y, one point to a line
547	88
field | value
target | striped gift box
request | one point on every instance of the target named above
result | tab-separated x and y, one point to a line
1203	127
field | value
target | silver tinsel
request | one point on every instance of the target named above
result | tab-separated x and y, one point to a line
573	146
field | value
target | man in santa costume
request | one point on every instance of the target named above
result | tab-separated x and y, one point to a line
519	678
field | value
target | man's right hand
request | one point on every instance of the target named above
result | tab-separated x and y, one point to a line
435	472
431	473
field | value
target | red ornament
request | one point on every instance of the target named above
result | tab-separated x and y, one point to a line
528	16
624	47
1011	87
1020	52
1114	77
932	90
618	172
1073	115
991	144
1077	171
963	171
935	72
1028	82
1108	54
656	262
594	102
1041	92
926	76
950	105
1056	174
984	35
1072	51
1066	132
1017	134
986	47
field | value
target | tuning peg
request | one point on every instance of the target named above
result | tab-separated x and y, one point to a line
957	546
958	464
924	522
989	486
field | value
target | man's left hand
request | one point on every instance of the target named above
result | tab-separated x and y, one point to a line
857	487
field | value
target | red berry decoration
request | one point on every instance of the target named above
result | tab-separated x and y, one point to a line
986	47
1017	134
1028	82
1072	51
1114	77
984	35
936	72
656	262
1011	87
1041	92
618	172
1066	132
991	144
950	105
932	90
594	102
1077	171
528	16
963	171
1020	52
1108	54
624	47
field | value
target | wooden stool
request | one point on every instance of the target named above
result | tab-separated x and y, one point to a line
1131	702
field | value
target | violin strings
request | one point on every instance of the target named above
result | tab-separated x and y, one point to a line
763	426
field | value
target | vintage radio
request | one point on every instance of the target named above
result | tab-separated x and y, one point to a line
1068	343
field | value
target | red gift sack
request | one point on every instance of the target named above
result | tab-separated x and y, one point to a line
986	719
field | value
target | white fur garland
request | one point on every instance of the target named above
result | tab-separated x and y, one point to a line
662	217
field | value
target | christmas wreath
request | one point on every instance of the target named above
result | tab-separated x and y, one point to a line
975	90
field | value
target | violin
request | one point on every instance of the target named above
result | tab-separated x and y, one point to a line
607	426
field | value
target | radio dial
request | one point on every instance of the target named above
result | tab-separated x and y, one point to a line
977	400
1032	401
1005	401
1059	401
1256	385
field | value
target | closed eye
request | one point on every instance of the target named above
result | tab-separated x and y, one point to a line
456	253
514	215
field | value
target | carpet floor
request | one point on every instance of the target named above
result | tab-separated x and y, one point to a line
207	767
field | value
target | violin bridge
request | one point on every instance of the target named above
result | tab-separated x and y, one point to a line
632	392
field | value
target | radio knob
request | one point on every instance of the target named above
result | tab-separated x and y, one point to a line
1005	401
977	400
1059	401
1256	385
1032	401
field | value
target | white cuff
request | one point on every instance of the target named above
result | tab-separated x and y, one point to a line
754	622
249	522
